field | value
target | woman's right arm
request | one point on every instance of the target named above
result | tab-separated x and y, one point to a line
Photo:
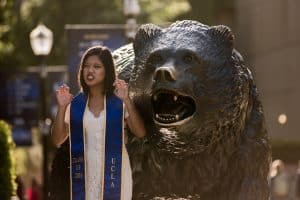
60	130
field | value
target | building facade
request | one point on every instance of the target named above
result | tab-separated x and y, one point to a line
268	36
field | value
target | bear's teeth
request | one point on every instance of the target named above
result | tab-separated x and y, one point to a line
167	118
175	98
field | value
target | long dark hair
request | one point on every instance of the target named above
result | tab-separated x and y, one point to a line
104	54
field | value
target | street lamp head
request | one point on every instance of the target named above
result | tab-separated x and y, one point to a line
41	40
131	8
130	28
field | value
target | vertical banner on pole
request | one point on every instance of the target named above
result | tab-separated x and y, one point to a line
20	99
19	104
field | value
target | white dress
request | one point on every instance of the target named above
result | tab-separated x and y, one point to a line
94	147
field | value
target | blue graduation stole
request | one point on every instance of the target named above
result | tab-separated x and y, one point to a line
111	183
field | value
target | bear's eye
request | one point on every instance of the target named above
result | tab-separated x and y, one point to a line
155	59
188	58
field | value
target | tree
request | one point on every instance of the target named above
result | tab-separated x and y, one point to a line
7	171
209	12
7	47
157	11
20	17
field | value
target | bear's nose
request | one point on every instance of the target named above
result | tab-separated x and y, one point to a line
164	74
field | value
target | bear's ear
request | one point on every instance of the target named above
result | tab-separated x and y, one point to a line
222	33
144	34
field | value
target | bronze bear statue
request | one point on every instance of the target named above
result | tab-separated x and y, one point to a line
206	137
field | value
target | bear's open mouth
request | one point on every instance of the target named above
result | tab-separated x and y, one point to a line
172	108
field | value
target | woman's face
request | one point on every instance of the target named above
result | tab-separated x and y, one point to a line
93	71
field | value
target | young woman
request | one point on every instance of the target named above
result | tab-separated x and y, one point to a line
94	123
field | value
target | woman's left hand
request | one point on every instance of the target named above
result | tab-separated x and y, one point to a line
121	89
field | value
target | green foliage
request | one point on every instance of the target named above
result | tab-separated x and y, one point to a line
18	18
7	171
157	11
207	11
17	21
7	47
60	13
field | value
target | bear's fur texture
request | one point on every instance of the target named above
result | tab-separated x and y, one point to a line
217	145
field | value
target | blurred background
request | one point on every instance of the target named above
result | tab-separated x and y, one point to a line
41	42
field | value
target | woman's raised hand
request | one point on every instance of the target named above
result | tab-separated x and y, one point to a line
63	96
121	89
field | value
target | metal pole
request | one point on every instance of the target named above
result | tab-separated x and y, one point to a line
44	127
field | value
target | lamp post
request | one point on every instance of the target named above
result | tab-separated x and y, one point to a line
41	40
131	11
